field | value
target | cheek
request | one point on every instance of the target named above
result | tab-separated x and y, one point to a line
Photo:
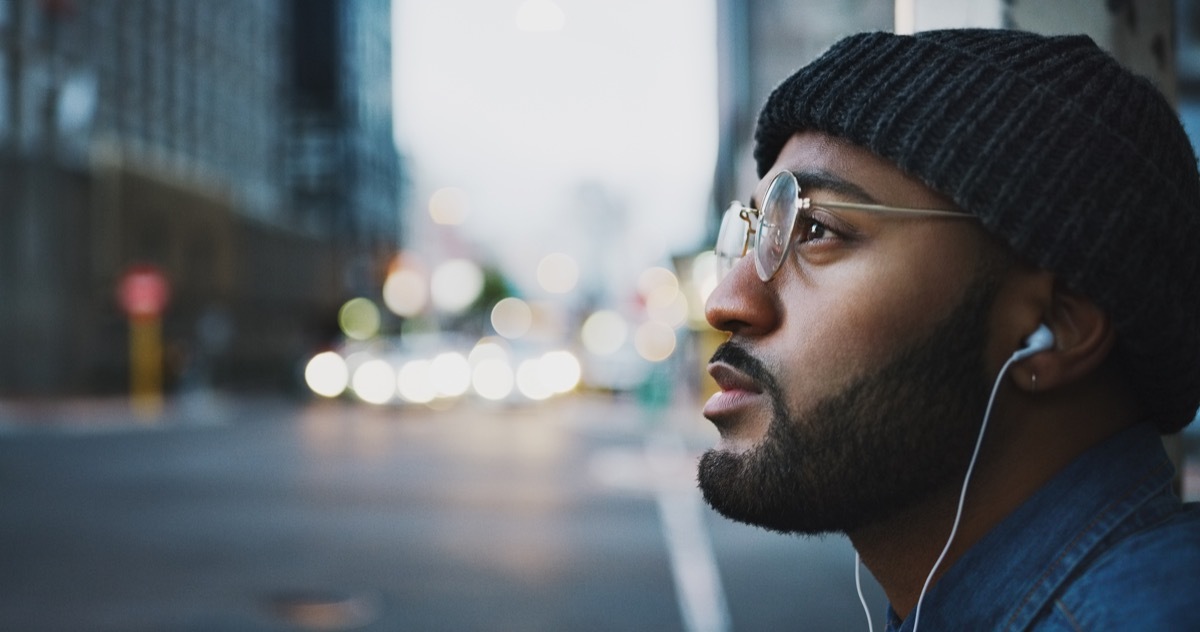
843	321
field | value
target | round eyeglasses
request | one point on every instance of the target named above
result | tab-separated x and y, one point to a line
769	231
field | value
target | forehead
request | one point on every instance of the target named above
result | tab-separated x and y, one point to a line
880	179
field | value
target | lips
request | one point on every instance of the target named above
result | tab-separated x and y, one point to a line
731	379
738	391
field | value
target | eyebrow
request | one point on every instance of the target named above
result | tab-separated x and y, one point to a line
825	181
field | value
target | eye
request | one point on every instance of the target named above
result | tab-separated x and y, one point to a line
810	229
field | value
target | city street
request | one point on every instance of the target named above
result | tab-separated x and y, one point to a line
432	289
267	514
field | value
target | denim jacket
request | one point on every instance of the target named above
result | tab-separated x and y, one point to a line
1105	545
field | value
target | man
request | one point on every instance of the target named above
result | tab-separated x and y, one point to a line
927	204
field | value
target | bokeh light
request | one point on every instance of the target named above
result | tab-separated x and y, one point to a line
359	318
414	384
374	382
456	284
451	374
512	318
405	292
665	302
604	332
654	341
558	273
562	371
489	348
448	206
492	378
658	285
326	374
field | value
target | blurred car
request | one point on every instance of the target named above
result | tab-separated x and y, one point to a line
437	368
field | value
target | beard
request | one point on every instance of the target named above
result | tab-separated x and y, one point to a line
884	443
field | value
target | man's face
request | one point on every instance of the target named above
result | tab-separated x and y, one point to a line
854	381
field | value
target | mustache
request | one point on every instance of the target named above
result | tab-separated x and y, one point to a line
739	358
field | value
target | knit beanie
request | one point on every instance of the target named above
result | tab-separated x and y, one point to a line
1079	165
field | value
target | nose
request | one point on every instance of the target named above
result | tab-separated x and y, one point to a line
742	303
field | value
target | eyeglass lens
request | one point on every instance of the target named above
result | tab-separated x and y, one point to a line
732	239
779	211
766	232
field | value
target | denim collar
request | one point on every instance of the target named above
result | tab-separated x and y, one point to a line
1006	579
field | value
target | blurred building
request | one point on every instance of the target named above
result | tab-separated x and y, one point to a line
342	166
243	147
761	43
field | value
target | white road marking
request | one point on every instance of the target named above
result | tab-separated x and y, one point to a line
693	564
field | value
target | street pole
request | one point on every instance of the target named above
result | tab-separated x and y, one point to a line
143	293
145	366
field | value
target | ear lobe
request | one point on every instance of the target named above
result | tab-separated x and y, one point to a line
1083	339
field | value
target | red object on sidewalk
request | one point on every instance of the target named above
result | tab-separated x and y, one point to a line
143	291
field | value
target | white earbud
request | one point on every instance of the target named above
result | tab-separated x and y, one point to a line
1040	340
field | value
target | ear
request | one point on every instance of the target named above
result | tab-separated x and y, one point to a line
1083	340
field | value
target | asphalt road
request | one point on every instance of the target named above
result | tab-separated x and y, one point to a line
236	514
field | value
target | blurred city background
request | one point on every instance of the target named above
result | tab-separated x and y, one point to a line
385	315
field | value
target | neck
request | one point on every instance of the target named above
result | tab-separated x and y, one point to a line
1028	442
901	550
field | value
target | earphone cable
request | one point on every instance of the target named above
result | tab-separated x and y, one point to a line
858	585
962	497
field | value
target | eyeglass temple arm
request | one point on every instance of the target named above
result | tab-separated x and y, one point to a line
805	203
745	212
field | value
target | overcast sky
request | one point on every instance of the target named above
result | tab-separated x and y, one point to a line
595	139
